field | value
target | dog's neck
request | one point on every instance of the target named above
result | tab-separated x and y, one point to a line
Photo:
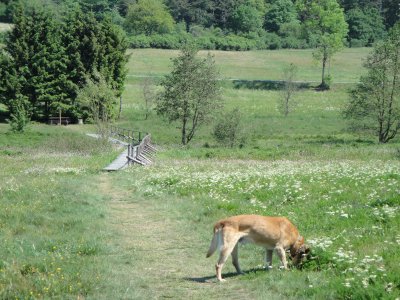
294	250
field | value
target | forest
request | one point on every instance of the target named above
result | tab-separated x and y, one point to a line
229	24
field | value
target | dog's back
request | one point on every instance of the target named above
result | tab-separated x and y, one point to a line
261	230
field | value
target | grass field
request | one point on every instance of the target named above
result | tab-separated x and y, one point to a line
70	231
346	66
5	27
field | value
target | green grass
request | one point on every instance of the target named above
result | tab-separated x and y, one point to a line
347	210
5	27
346	66
49	213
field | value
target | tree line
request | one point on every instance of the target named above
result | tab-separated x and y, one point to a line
48	65
229	24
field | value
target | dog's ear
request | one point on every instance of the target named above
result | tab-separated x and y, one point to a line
307	249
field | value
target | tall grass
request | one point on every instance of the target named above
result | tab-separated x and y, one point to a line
49	213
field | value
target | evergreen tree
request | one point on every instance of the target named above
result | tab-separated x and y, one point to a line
35	63
93	48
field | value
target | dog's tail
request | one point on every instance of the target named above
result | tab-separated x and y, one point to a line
216	241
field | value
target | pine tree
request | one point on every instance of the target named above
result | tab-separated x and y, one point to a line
35	63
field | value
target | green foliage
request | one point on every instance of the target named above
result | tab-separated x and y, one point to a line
365	26
286	103
97	101
19	114
227	129
246	18
190	92
35	62
325	23
279	13
148	17
375	102
47	60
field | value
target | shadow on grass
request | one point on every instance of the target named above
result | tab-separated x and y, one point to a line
331	140
208	279
271	85
4	116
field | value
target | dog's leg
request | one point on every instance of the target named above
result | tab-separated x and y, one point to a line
235	258
282	256
268	256
229	243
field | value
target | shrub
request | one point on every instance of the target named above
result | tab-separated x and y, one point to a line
226	131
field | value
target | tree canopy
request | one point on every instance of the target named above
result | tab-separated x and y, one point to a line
191	92
375	102
47	60
240	24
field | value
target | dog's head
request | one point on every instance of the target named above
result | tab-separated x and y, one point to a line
299	251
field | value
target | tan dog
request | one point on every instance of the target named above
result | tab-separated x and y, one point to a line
273	233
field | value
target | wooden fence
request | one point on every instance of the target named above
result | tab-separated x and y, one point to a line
130	136
140	148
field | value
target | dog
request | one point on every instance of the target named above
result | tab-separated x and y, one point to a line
273	233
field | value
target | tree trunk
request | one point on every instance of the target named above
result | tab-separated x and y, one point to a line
120	107
324	60
184	131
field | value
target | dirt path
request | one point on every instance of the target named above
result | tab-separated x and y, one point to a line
151	257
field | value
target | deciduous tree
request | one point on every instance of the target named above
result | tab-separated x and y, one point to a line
148	17
375	102
191	92
326	27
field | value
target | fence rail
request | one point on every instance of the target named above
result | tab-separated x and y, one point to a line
130	136
140	148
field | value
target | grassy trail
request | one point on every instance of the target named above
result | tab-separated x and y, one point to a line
151	255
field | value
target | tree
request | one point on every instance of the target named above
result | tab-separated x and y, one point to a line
191	92
375	102
280	12
148	17
47	60
365	26
35	63
326	27
246	18
97	103
92	47
149	95
285	102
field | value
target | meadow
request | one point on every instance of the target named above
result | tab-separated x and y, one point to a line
70	231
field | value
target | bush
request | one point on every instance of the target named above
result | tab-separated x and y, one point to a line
214	39
226	131
139	41
355	43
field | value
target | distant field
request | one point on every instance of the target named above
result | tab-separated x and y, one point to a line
317	113
346	66
4	27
